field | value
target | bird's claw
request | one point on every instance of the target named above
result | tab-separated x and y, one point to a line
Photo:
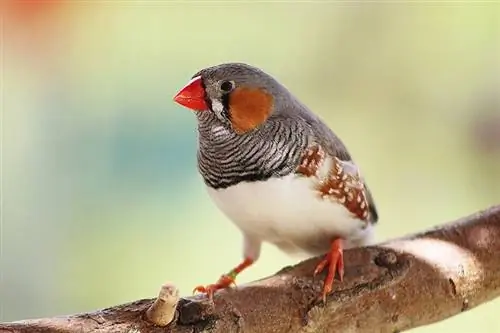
225	281
334	260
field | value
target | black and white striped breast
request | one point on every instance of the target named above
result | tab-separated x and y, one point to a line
226	159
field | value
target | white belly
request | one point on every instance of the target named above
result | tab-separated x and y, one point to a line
289	213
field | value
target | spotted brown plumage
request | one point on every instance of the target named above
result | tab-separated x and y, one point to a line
346	189
342	183
311	160
276	170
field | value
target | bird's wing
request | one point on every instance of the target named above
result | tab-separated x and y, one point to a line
326	140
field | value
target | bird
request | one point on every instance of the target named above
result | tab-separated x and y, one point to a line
276	170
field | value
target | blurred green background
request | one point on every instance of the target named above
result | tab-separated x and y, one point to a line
102	202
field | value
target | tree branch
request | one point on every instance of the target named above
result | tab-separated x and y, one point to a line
391	287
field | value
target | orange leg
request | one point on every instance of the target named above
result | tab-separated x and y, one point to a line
225	280
335	261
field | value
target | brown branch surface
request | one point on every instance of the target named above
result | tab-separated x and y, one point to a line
391	287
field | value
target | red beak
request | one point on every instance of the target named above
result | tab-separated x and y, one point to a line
192	96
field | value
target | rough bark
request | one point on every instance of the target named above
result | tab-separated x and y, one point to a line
391	287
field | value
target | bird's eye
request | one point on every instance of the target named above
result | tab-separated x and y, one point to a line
226	86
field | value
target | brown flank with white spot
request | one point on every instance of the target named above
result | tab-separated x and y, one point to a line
338	185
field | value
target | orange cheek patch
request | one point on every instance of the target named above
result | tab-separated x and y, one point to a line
249	108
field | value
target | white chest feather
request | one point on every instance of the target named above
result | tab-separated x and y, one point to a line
289	213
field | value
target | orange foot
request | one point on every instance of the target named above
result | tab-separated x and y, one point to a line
335	261
225	280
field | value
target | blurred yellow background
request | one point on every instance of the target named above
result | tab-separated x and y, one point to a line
102	202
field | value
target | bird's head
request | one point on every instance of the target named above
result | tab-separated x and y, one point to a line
241	96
